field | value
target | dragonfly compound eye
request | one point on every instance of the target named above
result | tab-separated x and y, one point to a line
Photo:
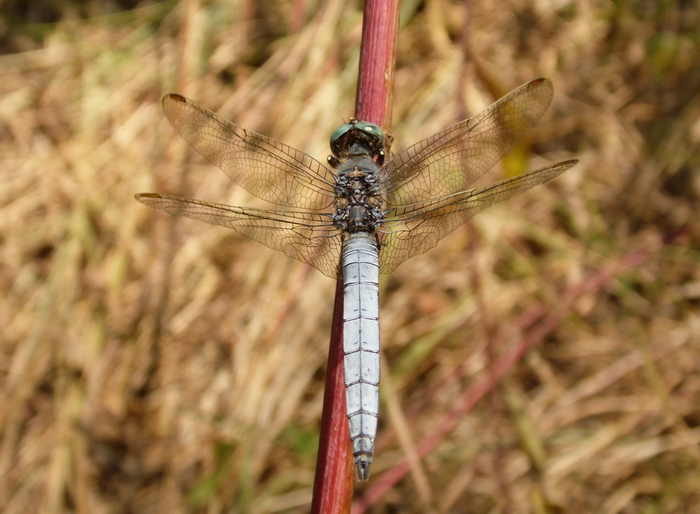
369	135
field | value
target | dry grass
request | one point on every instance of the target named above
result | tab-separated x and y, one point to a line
151	364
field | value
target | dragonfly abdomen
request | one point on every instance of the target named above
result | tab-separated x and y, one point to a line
361	344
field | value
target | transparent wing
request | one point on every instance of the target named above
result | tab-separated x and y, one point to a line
270	170
450	161
413	229
305	236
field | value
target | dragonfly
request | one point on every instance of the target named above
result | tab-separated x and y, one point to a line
360	213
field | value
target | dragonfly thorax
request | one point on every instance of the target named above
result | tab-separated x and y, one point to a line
358	204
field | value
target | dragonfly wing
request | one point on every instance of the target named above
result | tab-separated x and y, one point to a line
414	229
450	161
305	236
270	170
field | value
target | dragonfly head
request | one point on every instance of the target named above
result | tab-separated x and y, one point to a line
357	137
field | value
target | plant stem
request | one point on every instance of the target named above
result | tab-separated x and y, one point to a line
333	485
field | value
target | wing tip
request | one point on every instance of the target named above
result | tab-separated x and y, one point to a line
568	164
539	81
144	196
175	97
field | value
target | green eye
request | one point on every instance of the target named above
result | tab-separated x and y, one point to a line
365	126
370	131
340	132
371	128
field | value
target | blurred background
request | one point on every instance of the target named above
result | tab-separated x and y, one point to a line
151	364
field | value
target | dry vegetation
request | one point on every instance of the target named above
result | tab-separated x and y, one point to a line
152	364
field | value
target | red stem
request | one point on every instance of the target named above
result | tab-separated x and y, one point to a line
375	84
335	470
334	467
